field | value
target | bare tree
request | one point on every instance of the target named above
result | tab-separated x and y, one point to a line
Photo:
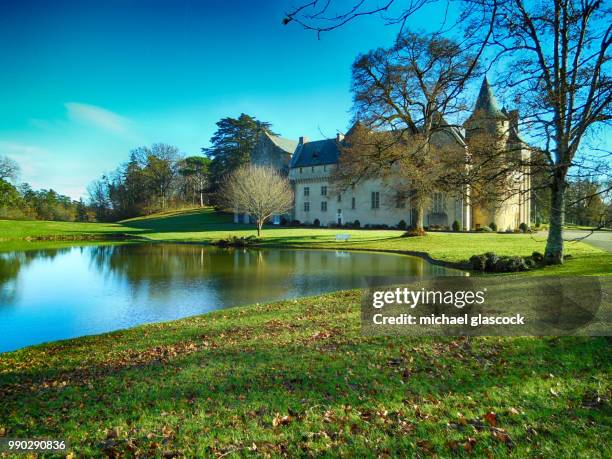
327	15
405	92
257	190
563	50
9	169
563	88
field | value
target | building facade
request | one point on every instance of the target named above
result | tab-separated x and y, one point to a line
310	166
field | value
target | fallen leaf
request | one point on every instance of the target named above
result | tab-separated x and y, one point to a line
280	420
468	446
491	418
500	435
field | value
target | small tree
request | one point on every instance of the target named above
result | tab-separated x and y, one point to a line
257	190
194	169
9	169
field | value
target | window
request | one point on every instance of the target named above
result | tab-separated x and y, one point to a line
352	203
375	200
306	206
339	197
438	204
312	169
400	200
323	206
323	191
300	170
306	191
324	167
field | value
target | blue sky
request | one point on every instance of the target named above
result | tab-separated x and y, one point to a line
83	82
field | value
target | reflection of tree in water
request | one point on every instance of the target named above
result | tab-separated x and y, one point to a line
148	266
11	264
239	276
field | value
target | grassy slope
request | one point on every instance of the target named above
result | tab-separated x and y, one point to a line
214	384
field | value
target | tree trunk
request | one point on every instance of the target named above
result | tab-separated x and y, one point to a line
419	217
554	244
201	199
259	226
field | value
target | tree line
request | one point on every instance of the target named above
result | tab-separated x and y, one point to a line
160	177
21	202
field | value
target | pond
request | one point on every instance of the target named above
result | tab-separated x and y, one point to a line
51	294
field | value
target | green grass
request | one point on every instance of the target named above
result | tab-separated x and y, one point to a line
204	226
298	379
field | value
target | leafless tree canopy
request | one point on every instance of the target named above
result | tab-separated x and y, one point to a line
553	56
257	190
402	95
9	169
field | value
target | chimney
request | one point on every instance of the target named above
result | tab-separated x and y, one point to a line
303	140
339	137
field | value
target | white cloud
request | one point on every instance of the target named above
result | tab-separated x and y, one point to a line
98	116
32	159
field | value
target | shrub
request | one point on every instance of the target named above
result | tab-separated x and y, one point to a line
484	229
316	222
235	241
490	262
523	227
478	262
530	262
295	223
401	225
283	221
537	257
356	224
456	226
493	226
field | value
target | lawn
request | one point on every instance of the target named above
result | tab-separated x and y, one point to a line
204	226
296	378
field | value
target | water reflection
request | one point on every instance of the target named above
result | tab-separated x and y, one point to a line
62	293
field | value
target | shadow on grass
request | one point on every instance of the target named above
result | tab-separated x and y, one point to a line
183	222
240	387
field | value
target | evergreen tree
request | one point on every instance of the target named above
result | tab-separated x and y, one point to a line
232	144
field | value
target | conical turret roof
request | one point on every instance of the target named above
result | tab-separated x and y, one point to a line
486	102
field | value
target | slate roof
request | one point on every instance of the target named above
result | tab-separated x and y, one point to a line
316	153
486	101
287	145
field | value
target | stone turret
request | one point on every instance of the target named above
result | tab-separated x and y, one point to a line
487	118
487	135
